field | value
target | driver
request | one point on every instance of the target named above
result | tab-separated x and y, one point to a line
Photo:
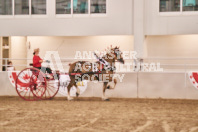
37	62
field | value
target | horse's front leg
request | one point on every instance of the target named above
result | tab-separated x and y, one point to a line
77	90
104	89
69	98
112	84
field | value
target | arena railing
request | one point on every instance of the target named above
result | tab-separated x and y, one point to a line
177	64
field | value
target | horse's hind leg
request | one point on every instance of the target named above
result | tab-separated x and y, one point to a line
68	91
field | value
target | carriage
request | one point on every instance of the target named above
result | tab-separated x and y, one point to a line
32	84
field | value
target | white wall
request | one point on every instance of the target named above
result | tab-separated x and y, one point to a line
172	46
67	46
157	24
173	52
118	21
166	85
125	89
142	85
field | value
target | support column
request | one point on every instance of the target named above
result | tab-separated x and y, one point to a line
1	51
139	29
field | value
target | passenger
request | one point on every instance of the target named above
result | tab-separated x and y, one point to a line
10	67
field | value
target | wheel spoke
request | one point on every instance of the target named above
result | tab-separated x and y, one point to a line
25	93
51	89
45	88
48	92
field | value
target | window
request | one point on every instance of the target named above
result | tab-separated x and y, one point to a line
178	5
63	6
80	6
169	5
5	7
21	7
98	6
38	6
190	5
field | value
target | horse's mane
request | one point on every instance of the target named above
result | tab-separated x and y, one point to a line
109	50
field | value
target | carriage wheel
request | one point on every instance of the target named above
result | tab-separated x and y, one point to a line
52	89
31	84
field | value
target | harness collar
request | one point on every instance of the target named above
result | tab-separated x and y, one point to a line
105	65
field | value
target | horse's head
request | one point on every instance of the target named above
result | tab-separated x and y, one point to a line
118	54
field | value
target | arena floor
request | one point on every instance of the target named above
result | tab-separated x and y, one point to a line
94	115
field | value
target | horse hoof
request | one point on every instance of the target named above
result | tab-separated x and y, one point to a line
108	87
70	99
77	94
106	99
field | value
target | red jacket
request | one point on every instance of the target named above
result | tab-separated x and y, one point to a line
36	60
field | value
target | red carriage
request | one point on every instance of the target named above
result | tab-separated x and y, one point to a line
32	84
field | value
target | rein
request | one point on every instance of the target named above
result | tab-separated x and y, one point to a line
105	66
